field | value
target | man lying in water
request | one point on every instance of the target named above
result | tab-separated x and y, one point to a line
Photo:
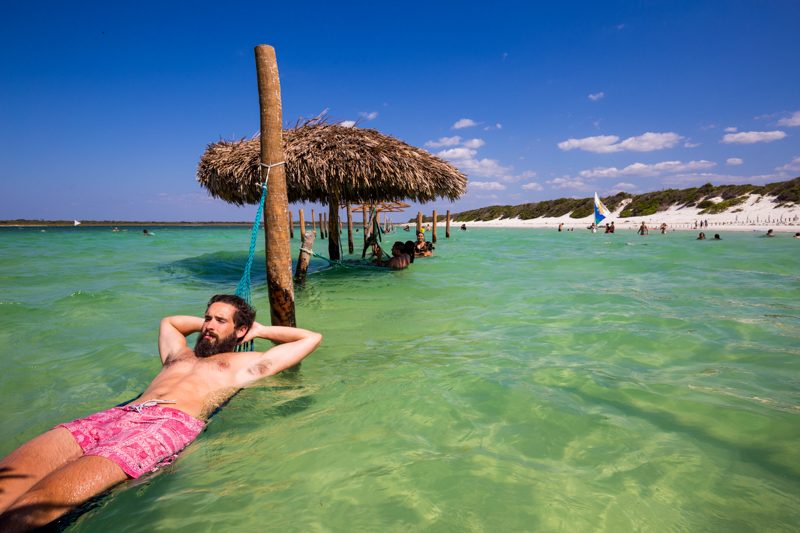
66	466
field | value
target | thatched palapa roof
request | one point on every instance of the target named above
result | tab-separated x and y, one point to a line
330	161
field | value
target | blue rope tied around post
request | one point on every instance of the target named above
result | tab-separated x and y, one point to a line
243	288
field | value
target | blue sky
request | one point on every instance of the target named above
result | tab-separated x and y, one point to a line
106	107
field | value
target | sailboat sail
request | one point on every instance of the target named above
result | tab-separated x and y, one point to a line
76	222
600	210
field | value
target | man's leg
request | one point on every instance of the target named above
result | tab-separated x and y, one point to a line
32	461
71	485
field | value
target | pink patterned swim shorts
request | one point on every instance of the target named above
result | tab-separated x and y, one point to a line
139	438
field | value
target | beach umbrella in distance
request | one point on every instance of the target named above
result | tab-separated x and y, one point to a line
332	164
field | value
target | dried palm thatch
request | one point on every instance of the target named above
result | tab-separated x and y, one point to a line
332	163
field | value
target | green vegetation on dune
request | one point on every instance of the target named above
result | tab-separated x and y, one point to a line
706	198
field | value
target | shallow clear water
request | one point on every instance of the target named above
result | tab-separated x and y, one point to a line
518	380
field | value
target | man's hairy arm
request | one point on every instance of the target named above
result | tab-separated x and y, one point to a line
295	345
173	332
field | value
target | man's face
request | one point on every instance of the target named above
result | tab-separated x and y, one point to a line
219	335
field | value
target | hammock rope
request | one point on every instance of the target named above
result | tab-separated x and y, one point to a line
243	289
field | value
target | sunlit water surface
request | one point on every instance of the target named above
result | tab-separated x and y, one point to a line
517	380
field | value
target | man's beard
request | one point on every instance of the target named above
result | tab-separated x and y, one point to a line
208	347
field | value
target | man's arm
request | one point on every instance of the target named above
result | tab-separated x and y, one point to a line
295	345
173	332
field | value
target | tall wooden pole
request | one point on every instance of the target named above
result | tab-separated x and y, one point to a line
419	221
326	226
302	225
333	227
321	228
349	229
276	234
364	210
447	225
313	222
433	239
291	225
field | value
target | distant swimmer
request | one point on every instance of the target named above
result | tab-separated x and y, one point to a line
769	233
717	237
797	235
73	462
643	229
463	227
701	236
147	233
663	228
561	227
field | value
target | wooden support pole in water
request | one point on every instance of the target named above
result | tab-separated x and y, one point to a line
419	222
327	225
306	245
313	222
291	225
350	246
333	237
302	225
364	229
276	234
321	228
447	226
433	238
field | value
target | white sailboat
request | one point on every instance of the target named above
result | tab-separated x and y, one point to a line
76	222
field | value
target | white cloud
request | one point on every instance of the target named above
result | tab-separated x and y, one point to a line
750	137
791	121
528	174
487	185
688	144
371	115
648	142
474	143
600	144
606	144
457	154
645	170
734	161
464	123
497	126
594	97
791	166
731	129
622	186
567	182
444	141
532	186
347	123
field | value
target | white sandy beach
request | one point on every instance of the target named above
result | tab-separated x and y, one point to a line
758	213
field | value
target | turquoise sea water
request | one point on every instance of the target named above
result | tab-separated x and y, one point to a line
519	380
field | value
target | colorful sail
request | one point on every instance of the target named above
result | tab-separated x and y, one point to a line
600	210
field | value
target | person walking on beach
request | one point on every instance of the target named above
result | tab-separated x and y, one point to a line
66	466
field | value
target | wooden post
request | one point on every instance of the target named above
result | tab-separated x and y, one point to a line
433	239
447	226
364	210
419	223
313	222
291	225
321	228
349	229
326	228
333	226
302	225
306	244
276	234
